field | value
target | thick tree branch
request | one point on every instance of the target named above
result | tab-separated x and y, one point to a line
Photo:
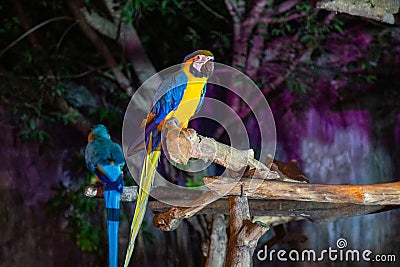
231	10
130	193
101	47
272	206
170	220
100	24
242	29
186	144
244	234
97	190
218	242
254	15
371	194
314	211
381	10
253	59
127	37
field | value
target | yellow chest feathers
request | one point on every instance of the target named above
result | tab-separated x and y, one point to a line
190	99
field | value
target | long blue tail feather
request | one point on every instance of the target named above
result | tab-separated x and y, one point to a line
112	199
105	158
111	176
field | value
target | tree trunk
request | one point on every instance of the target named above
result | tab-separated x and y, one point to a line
217	250
244	234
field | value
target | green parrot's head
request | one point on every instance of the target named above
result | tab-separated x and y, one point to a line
201	63
98	131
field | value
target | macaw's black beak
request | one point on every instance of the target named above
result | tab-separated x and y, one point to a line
207	68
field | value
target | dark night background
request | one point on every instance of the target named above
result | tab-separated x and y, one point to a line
332	81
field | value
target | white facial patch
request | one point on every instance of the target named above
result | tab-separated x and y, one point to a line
200	60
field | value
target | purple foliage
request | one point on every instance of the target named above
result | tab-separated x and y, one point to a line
347	46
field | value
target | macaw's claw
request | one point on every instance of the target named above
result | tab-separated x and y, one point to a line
189	131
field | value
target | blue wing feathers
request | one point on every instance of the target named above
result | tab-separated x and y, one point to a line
168	97
105	159
103	151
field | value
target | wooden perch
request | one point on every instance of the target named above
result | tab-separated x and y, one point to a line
318	212
181	145
97	191
380	10
372	194
317	202
244	234
169	194
170	220
218	240
263	195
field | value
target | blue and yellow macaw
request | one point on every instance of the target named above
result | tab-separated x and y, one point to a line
179	96
105	159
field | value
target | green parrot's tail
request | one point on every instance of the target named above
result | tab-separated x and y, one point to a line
146	180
